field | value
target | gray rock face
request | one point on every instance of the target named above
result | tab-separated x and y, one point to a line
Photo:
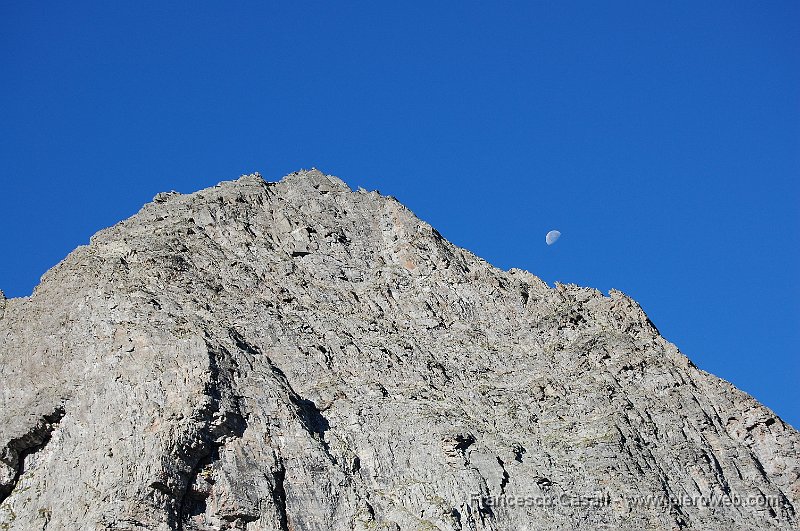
297	356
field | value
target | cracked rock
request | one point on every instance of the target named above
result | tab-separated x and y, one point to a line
296	356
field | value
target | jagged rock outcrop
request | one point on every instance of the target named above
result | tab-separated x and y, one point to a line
297	356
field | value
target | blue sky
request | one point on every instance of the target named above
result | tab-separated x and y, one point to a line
661	138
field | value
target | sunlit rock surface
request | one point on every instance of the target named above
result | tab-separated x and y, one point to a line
298	356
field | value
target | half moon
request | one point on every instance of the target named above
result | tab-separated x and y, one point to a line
552	237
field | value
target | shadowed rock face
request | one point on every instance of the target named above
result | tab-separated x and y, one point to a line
297	356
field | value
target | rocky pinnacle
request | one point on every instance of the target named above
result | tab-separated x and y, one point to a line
296	356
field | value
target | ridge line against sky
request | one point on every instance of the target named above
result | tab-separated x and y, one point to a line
663	141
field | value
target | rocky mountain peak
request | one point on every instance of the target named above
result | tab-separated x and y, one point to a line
296	355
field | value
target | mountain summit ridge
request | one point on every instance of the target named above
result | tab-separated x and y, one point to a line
297	355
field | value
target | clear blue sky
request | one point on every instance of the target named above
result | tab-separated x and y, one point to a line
661	138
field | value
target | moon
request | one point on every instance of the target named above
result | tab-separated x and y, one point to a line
552	237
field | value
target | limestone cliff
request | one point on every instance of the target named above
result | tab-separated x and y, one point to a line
298	356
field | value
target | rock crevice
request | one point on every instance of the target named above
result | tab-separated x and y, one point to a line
18	449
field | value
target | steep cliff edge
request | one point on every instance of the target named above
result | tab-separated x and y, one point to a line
298	356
